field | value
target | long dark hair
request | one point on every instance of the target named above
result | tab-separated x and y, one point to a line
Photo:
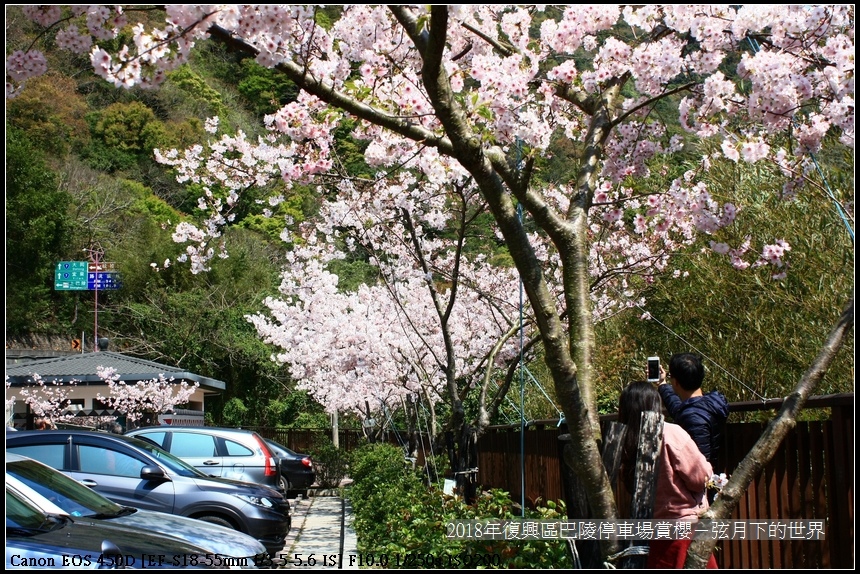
636	398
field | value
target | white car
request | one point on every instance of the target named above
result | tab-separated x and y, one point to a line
55	493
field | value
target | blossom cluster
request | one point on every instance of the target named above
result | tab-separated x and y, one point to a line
45	399
156	396
717	481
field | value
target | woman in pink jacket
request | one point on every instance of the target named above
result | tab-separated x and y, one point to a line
682	472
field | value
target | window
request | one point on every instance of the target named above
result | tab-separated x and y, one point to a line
236	449
50	454
100	460
187	444
156	437
100	406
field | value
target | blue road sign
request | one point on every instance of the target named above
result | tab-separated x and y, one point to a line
82	276
105	280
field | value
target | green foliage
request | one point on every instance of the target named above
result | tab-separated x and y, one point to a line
330	463
37	235
266	90
298	202
349	151
296	410
125	134
51	112
128	127
234	413
198	91
397	513
353	272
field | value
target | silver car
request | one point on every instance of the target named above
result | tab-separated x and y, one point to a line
135	472
54	492
223	452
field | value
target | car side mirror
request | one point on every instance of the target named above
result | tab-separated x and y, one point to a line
152	473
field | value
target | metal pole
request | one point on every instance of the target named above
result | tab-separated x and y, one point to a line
96	253
522	398
335	431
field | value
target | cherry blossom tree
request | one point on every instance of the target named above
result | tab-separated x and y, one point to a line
439	325
49	400
144	400
482	92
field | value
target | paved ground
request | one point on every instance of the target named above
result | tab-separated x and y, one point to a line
321	537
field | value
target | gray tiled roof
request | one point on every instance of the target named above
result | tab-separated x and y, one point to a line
82	369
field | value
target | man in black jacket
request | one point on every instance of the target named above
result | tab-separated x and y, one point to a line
702	415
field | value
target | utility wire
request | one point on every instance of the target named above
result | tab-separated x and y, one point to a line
688	343
542	390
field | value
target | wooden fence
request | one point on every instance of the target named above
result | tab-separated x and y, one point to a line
810	477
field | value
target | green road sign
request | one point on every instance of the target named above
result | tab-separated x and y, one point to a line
71	276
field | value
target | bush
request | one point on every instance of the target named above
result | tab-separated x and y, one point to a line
396	513
330	462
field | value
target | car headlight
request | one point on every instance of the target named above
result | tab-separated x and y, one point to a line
256	500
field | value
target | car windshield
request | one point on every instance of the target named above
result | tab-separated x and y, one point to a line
278	446
23	516
173	463
67	493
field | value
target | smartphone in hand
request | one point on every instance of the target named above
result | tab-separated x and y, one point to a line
653	369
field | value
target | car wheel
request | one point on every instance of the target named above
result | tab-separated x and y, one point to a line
285	485
217	520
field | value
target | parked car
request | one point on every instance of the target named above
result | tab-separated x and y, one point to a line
224	452
39	539
296	469
50	489
134	472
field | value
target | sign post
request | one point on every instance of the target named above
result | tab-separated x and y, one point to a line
96	253
92	275
71	276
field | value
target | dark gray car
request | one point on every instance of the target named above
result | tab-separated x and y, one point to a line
39	482
297	469
37	539
136	473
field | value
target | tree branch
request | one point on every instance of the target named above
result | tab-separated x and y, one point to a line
766	446
327	93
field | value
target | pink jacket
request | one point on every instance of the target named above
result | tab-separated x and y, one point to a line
682	474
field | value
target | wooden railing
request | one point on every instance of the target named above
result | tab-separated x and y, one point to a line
810	477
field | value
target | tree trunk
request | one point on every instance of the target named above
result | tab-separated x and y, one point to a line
576	499
463	456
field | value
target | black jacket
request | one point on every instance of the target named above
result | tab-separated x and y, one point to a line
704	418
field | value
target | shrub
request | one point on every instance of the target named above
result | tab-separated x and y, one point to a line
396	513
330	463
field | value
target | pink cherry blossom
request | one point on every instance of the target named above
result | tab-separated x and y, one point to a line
459	106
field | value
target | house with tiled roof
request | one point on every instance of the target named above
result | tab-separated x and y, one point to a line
78	371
